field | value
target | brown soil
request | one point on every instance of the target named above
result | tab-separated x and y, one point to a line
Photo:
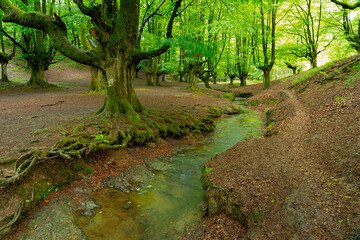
301	182
34	118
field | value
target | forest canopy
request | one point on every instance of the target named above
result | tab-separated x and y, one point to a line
190	40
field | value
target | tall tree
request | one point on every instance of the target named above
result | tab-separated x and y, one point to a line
352	34
268	12
307	23
5	57
116	25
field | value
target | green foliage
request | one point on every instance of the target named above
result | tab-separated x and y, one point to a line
340	100
311	73
355	76
229	96
267	101
214	112
101	137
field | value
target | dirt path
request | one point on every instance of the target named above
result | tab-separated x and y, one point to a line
300	182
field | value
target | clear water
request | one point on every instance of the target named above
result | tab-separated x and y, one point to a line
173	200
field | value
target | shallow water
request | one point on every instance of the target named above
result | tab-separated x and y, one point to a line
173	200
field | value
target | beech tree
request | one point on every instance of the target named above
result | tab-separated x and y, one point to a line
116	26
352	35
268	12
5	58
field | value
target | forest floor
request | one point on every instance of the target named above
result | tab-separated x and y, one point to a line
36	118
301	181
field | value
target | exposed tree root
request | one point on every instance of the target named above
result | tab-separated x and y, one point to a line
6	225
105	133
111	134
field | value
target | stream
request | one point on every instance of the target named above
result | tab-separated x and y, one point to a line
173	200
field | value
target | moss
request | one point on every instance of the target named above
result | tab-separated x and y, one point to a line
214	112
257	102
237	214
229	96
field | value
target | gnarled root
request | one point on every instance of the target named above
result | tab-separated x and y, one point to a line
6	225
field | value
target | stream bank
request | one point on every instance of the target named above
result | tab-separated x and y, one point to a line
302	180
146	206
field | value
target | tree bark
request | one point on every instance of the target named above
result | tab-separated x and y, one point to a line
119	87
192	78
243	80
37	78
313	62
4	74
267	77
96	84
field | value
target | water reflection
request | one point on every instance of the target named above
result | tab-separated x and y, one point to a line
174	199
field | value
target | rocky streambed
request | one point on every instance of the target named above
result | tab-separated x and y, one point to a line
156	201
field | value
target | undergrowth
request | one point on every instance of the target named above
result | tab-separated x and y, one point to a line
355	76
311	73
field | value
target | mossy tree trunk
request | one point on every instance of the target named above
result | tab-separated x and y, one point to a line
37	75
267	77
193	76
96	83
4	74
243	80
268	26
119	87
313	61
5	58
152	72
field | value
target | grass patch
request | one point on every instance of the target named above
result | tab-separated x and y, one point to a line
268	101
355	77
229	96
143	89
311	73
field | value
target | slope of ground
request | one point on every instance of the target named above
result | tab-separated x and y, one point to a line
302	180
38	118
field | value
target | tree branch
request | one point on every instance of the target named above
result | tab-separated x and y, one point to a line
54	27
147	55
346	5
148	18
13	40
184	9
222	51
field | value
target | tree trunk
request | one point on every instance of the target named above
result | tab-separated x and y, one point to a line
243	81
4	74
313	62
37	78
150	79
207	82
181	76
96	84
155	71
119	85
267	77
157	80
205	77
192	79
149	73
232	80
